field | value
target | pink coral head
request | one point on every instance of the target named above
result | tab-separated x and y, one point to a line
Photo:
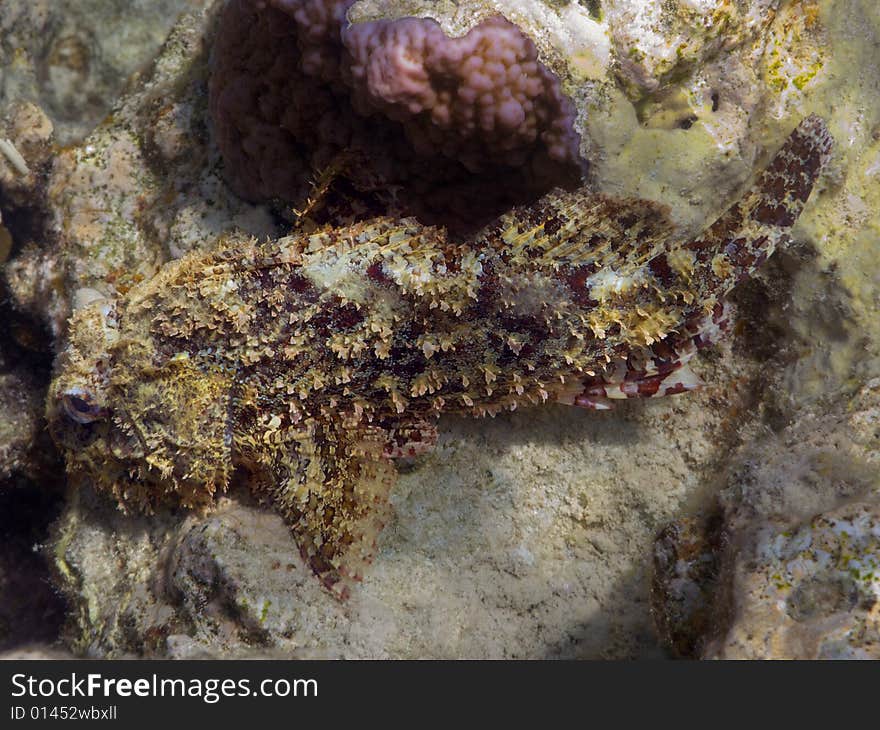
436	121
483	98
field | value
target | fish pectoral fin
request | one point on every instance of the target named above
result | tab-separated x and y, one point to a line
331	484
584	229
662	368
599	391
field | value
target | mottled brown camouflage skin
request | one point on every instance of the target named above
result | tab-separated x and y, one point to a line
305	365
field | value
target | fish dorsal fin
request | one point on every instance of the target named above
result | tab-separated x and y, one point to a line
582	228
383	233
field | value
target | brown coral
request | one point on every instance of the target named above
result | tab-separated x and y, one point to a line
441	120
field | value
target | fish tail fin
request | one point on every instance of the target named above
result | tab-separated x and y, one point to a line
753	227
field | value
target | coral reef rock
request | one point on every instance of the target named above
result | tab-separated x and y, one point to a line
25	136
655	42
73	57
809	591
20	418
787	566
141	189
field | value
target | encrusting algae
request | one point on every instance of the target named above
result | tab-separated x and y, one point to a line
305	365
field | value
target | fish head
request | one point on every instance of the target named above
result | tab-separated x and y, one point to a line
146	430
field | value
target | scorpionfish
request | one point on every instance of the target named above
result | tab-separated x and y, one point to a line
306	365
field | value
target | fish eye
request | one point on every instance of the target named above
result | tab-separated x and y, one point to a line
80	405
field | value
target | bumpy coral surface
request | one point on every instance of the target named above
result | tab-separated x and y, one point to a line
304	366
441	119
